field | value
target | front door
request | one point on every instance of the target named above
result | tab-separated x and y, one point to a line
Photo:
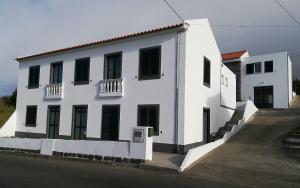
263	97
110	122
206	125
53	122
79	122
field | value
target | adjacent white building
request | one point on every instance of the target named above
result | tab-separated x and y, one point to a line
264	79
170	78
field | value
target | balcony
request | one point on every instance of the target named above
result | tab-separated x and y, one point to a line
111	88
54	91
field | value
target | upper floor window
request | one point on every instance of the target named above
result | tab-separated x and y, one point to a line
269	66
31	112
113	66
148	116
206	72
150	63
253	68
82	71
34	77
56	73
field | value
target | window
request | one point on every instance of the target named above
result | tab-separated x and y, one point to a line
34	77
253	68
226	82
249	69
113	66
206	72
56	73
31	116
79	122
257	67
150	62
82	71
148	116
269	66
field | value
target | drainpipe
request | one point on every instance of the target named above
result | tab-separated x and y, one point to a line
177	61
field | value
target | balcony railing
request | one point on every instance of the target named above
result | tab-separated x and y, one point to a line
112	87
54	91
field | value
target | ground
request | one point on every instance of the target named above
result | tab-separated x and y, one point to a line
255	157
5	112
24	171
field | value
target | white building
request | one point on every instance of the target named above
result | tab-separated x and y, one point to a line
264	79
167	78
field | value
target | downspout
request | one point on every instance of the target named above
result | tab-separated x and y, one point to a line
177	61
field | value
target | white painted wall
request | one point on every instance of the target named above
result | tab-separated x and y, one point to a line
290	78
278	78
228	87
161	91
9	128
200	43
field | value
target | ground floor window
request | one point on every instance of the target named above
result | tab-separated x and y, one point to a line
206	125
263	97
31	112
79	122
148	116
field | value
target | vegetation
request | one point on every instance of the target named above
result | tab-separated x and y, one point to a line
7	107
296	86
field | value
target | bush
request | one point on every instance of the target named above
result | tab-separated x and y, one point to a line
10	100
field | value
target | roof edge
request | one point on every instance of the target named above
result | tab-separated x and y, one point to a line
105	41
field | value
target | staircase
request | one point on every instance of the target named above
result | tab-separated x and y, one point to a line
238	115
293	140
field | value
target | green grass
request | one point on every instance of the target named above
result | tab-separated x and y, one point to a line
5	112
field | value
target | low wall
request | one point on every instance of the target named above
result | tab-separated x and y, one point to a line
197	153
9	128
123	149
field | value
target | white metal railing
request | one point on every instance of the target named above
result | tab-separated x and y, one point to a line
54	91
111	87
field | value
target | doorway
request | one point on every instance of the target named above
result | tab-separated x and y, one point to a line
53	121
110	122
263	97
206	125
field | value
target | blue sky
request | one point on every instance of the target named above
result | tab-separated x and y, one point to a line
31	26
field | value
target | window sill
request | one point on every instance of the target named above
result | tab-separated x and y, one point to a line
149	78
33	87
30	125
206	84
81	83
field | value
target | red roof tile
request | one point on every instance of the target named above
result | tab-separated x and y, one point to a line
233	55
124	37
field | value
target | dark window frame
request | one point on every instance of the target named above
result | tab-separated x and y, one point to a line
255	68
82	82
30	85
51	79
105	76
154	76
140	106
268	70
206	62
29	124
252	68
73	121
48	120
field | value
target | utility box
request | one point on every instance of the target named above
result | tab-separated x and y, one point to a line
138	135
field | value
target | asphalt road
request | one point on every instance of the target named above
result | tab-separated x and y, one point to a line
24	171
255	156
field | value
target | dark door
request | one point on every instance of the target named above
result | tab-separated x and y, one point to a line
56	73
206	125
53	121
110	123
263	97
79	122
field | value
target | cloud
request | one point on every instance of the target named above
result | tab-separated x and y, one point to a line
30	26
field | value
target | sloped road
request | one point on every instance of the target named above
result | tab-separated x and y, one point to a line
255	157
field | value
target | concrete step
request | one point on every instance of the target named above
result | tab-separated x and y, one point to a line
293	141
294	135
295	147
